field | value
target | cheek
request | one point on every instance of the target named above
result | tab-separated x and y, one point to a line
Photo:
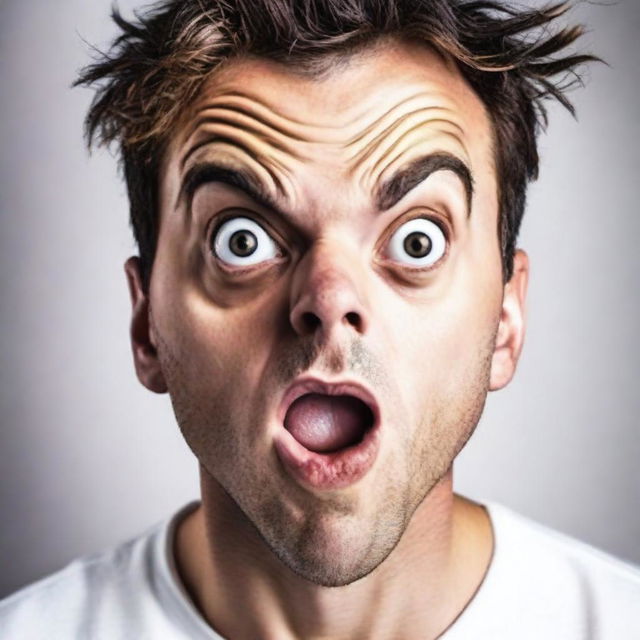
224	362
448	341
203	354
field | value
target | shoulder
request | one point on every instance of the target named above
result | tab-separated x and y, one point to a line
515	531
540	571
59	604
121	592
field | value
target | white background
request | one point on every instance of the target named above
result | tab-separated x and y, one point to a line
88	457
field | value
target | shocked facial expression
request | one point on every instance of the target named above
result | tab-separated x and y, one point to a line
326	295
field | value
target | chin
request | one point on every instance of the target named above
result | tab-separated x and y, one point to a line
329	570
336	551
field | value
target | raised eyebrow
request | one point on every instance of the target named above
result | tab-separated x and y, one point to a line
205	172
410	176
388	194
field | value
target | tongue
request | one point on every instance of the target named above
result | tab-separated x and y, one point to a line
327	423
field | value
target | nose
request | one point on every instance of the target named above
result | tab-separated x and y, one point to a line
328	292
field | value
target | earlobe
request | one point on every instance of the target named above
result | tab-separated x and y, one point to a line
145	355
511	330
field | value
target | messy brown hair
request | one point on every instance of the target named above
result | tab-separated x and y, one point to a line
159	61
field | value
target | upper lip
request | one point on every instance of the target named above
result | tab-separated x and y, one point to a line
308	384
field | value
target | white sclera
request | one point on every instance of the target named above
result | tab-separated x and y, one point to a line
398	253
266	249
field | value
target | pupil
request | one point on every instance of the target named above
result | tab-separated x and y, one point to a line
243	243
418	244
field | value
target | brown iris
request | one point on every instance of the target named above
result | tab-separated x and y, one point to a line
418	244
243	243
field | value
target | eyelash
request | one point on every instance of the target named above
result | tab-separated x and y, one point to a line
217	221
446	232
214	225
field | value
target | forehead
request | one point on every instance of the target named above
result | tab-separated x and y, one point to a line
354	86
359	120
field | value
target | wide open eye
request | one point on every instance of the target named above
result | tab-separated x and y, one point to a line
242	242
418	243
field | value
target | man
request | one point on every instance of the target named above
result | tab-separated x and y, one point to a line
326	197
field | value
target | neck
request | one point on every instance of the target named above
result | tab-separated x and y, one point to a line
244	591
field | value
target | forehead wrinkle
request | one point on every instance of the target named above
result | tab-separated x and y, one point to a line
250	123
304	133
246	124
286	126
255	141
228	149
250	102
421	97
364	154
261	149
419	139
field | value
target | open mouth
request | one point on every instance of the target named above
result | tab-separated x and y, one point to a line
329	433
326	424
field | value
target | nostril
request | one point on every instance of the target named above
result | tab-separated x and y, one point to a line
310	320
354	319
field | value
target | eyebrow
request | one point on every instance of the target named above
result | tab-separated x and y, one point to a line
417	171
389	193
206	172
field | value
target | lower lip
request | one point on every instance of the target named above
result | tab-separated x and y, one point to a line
328	471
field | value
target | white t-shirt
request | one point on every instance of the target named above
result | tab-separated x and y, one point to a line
540	585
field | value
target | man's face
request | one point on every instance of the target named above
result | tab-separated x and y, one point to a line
363	261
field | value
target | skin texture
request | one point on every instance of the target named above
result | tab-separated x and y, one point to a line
265	556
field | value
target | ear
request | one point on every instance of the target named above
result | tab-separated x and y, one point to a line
145	355
511	330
